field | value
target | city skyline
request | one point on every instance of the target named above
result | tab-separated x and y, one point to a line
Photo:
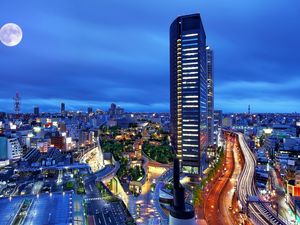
65	33
104	121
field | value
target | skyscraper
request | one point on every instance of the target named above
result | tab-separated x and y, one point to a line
90	110
62	108
210	95
36	111
188	92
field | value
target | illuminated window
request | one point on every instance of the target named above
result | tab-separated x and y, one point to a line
189	135
190	130
188	64
190	35
190	78
189	49
190	58
191	96
190	73
190	54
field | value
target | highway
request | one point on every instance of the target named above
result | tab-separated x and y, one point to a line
259	213
227	202
219	198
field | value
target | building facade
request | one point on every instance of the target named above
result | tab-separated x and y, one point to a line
210	95
36	111
217	125
3	148
90	110
62	108
188	93
14	148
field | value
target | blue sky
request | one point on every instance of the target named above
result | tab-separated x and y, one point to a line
92	53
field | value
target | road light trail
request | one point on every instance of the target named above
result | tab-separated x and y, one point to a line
217	203
259	213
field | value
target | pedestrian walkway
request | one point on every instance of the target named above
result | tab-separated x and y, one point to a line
78	210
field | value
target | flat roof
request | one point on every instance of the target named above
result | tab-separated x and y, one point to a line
9	209
56	208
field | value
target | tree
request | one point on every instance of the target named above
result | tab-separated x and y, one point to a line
69	185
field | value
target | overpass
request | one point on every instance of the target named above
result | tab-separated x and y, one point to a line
260	213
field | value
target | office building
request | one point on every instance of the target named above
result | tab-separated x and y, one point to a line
217	125
36	111
115	111
90	110
3	148
63	108
14	148
218	117
188	93
210	95
297	129
58	142
112	110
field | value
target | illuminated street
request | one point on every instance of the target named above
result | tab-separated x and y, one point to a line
219	198
259	213
228	205
150	112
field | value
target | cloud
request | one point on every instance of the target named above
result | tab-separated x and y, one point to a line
116	51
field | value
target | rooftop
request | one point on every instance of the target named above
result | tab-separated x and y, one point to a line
56	208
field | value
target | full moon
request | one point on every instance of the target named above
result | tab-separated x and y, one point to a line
11	34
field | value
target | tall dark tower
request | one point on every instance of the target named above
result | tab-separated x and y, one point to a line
90	110
180	212
36	111
249	111
17	104
63	108
188	93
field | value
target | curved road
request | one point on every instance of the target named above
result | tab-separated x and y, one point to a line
219	199
259	213
227	202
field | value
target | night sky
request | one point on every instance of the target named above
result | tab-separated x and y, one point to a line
92	53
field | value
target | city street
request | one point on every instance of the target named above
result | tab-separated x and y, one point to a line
102	212
229	206
219	198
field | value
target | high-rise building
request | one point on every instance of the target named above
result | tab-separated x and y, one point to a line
298	129
3	148
218	117
36	111
217	125
188	92
90	110
14	148
112	110
210	95
58	142
62	108
115	111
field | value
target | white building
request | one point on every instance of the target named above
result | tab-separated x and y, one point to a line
14	149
